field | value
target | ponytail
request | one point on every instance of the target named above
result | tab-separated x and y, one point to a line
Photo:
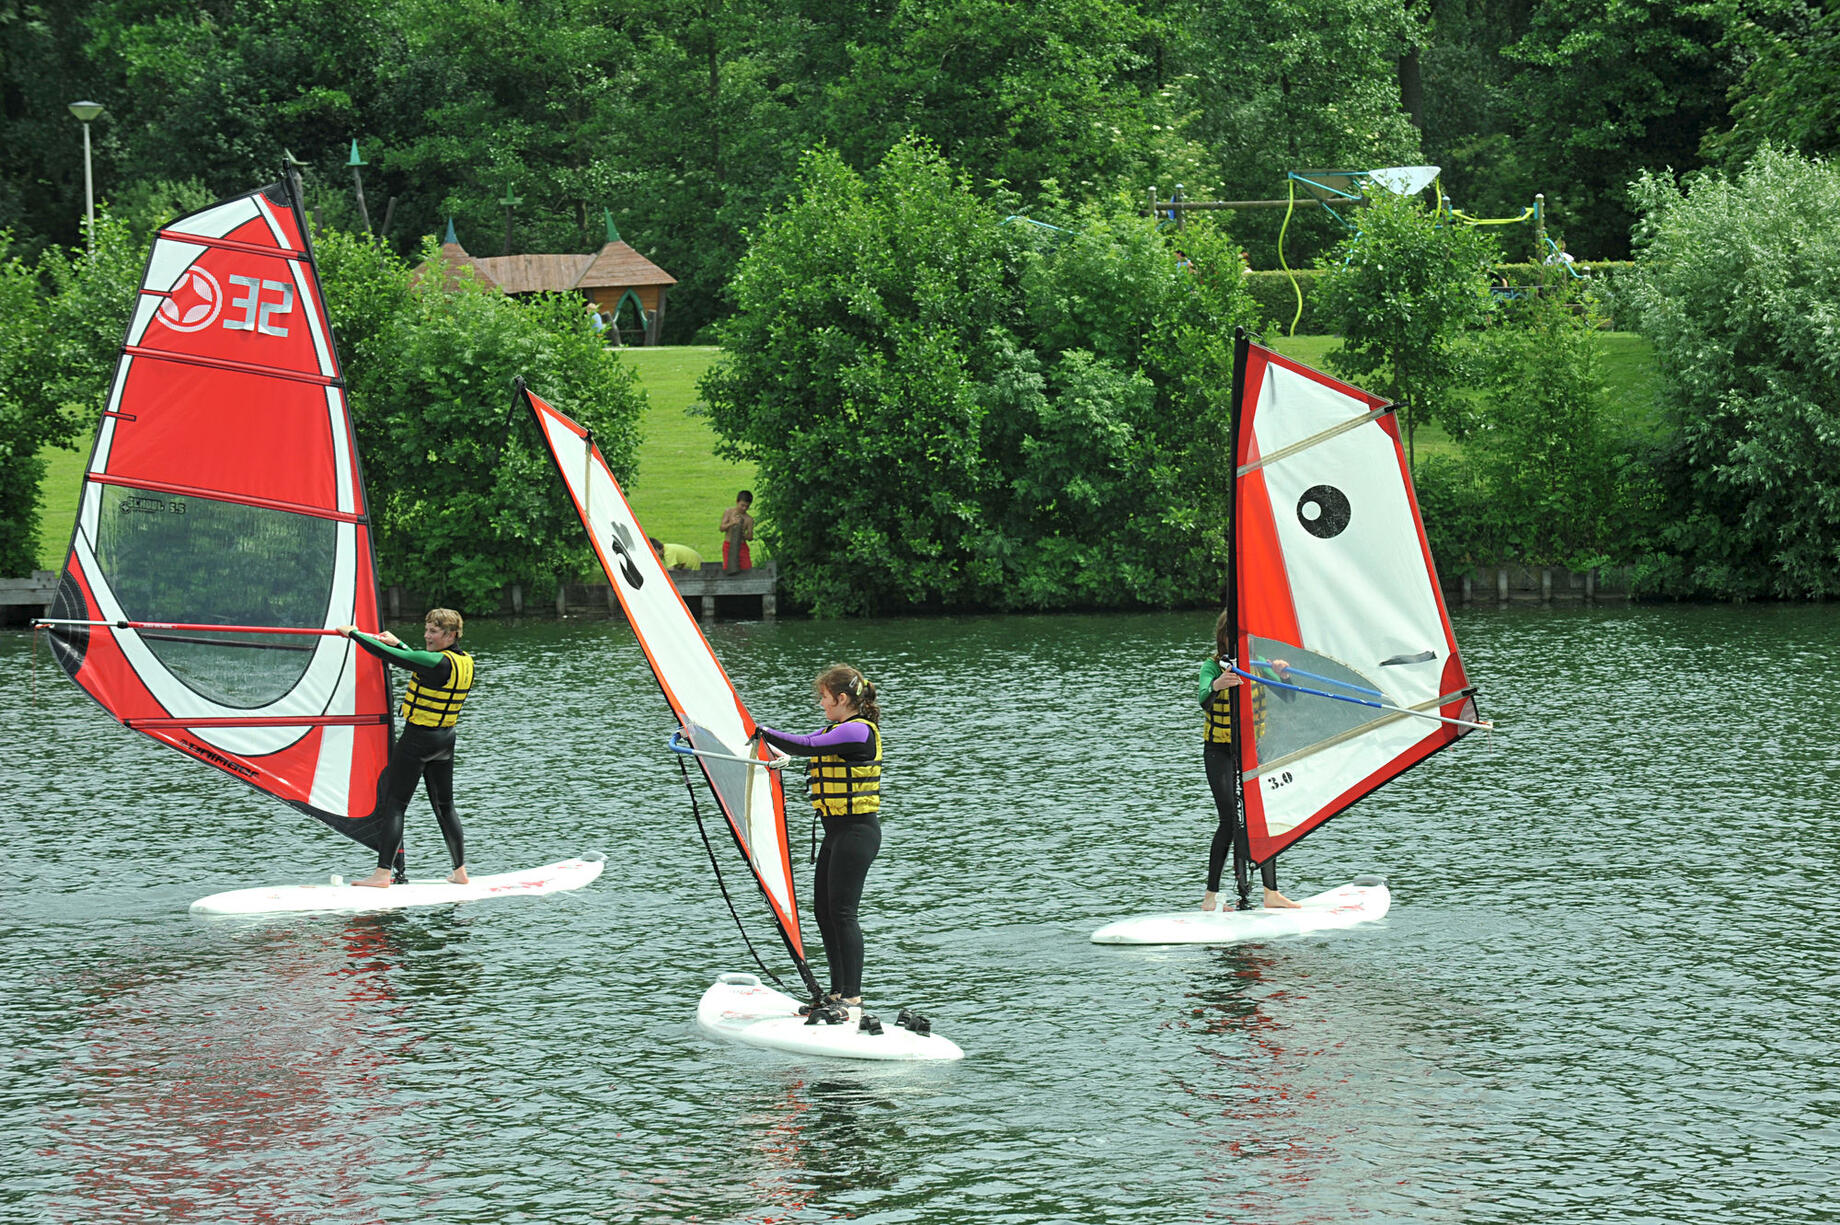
843	680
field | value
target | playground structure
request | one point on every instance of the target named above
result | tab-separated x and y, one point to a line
1346	190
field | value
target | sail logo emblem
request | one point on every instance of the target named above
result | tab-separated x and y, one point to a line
620	539
193	304
1323	510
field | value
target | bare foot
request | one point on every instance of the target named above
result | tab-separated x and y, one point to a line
1277	901
380	879
853	1001
458	875
1210	900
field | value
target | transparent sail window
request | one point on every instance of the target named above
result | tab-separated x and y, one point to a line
1286	720
192	559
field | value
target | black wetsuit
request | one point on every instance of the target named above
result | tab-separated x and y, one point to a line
422	754
850	846
1221	759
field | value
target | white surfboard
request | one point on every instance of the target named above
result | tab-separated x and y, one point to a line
337	895
1362	900
740	1008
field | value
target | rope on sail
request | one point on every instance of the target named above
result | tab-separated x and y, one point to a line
697	812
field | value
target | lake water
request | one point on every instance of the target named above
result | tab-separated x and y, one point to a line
1606	991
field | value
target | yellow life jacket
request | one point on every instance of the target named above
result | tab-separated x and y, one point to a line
1219	728
840	788
430	707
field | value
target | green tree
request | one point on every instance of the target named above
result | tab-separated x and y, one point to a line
25	425
1541	445
1790	53
1407	290
61	324
1608	90
866	314
1269	87
1736	283
947	410
463	491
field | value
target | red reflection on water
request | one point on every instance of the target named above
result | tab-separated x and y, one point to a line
1264	1108
815	1140
241	1083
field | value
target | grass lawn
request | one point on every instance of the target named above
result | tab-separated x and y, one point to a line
682	488
57	510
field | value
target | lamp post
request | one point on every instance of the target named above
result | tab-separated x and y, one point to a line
85	112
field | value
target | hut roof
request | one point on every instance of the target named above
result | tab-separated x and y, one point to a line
453	259
616	265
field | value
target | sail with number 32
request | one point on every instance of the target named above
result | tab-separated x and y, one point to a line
223	530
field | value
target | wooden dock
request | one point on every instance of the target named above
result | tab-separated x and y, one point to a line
21	599
709	582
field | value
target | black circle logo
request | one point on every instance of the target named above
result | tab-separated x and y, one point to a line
1323	511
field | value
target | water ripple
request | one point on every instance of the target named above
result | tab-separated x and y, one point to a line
1602	992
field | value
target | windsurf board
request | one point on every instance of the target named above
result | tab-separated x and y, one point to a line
1360	901
740	1008
337	895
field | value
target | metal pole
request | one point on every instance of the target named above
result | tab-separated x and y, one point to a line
89	193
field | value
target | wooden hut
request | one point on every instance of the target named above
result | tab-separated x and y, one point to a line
616	279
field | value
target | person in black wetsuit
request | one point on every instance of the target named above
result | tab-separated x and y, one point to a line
845	784
440	679
1221	758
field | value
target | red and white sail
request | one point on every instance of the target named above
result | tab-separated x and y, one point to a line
223	513
709	712
1333	578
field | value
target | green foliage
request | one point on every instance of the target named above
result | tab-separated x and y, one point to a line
1738	286
61	323
1277	298
465	494
1607	90
1265	87
948	411
1790	57
1543	453
1406	291
24	426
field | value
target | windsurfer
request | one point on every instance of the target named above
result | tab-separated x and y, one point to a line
844	781
441	677
1221	758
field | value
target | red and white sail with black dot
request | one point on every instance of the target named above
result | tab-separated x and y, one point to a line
1336	606
223	530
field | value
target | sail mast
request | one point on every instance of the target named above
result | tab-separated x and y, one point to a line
1236	695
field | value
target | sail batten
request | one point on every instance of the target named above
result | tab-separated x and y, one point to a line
1339	624
222	518
215	363
293	508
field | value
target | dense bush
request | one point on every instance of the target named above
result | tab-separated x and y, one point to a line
61	324
951	412
1738	286
465	495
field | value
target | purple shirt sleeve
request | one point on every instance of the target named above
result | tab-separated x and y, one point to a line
840	739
